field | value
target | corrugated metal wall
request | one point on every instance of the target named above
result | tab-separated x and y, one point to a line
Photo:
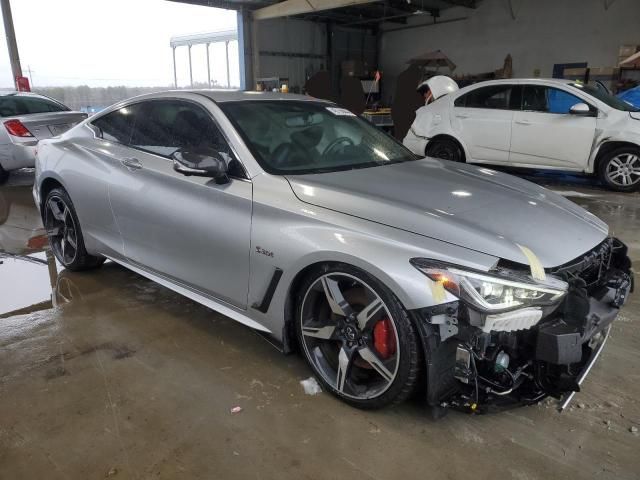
297	49
542	33
281	37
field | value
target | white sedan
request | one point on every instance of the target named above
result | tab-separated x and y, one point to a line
534	123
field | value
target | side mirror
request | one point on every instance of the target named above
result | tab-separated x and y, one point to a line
580	109
201	165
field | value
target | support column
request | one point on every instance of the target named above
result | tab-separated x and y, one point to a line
255	52
12	45
208	67
175	72
243	22
226	52
190	70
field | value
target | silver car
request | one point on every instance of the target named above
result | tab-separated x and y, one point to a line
300	220
27	118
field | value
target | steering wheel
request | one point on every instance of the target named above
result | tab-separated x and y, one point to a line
288	155
346	141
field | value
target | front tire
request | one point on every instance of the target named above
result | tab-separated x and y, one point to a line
445	149
619	169
357	337
65	236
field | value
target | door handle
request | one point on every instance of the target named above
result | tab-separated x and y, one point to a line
523	122
461	115
131	163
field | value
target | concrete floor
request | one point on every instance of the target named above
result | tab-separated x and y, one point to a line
106	374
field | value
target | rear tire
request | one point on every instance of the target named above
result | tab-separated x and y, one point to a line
4	175
65	236
357	337
619	169
445	149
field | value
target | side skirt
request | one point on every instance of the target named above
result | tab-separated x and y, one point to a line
207	301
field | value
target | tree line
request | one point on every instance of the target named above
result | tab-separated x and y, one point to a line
85	98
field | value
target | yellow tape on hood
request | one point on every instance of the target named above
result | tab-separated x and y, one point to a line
537	270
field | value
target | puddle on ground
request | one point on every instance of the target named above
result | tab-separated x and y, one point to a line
29	274
21	230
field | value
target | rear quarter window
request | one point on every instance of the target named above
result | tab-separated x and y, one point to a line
493	97
117	126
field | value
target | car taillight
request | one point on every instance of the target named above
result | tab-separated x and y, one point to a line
17	129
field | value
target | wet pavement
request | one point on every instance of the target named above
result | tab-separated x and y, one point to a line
105	374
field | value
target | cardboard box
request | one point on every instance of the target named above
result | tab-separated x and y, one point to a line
603	72
627	50
574	72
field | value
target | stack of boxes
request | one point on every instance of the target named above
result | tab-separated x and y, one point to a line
625	52
610	77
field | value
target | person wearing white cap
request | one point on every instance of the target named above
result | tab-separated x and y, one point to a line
432	89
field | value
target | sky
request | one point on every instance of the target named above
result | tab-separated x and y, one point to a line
114	42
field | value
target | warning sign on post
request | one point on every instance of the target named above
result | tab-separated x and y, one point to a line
22	84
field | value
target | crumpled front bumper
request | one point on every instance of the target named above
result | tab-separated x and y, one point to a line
560	342
552	358
598	341
578	344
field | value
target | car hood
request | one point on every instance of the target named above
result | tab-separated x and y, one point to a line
473	207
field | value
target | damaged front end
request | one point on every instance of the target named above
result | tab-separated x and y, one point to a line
510	340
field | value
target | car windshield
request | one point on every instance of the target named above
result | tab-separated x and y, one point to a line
600	94
297	137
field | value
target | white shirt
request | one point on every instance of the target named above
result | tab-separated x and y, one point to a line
418	135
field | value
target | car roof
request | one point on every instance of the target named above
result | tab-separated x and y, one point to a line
514	81
534	80
218	96
511	81
13	93
222	96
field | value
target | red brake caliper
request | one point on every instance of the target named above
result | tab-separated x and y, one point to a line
384	339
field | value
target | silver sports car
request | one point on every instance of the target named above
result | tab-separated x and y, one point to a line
27	118
303	221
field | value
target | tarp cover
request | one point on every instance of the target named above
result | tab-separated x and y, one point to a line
631	96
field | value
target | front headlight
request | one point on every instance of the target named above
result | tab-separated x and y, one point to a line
493	292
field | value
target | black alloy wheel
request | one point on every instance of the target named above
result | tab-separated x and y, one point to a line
357	337
65	236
